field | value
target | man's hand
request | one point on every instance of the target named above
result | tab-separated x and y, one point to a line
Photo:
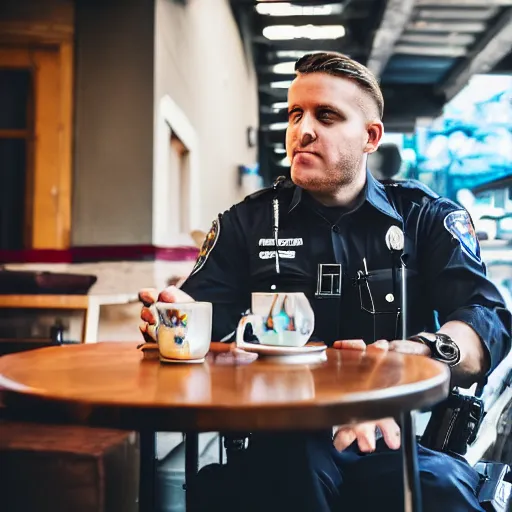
401	346
364	433
148	297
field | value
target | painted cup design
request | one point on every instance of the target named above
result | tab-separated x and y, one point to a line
184	330
282	319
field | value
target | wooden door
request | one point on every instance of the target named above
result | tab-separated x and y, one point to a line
35	147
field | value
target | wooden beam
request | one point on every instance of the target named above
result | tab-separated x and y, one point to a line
65	146
494	46
395	18
47	89
14	134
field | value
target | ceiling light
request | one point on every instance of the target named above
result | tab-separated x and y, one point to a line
277	126
285	162
280	151
284	32
281	85
287	9
284	68
291	54
279	105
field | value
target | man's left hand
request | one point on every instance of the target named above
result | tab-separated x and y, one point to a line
364	434
401	346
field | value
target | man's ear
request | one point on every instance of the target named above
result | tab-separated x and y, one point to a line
375	131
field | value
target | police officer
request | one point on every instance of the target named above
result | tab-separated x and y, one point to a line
340	236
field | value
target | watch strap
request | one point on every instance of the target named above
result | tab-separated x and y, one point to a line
443	348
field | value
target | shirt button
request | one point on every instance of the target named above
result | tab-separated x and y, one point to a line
335	229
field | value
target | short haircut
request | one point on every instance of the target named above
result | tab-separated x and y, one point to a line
338	64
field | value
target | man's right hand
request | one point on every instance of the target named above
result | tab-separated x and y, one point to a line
148	297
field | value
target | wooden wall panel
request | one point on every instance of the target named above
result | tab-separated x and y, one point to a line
34	21
46	150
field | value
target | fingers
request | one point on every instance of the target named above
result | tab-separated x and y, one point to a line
148	332
382	345
148	296
343	438
350	344
364	433
173	294
361	345
409	347
147	315
390	431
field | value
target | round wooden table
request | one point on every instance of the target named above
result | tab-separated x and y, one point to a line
111	385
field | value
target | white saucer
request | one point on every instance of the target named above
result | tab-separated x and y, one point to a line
304	354
181	361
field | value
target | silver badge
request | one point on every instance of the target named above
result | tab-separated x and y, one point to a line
395	239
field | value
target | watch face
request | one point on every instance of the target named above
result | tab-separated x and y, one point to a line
447	350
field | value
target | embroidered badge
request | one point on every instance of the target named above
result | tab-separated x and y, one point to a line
461	227
208	245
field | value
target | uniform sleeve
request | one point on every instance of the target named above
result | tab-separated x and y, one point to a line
220	275
456	277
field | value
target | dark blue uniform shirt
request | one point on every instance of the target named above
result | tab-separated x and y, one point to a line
446	279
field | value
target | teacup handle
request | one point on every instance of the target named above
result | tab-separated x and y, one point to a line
240	330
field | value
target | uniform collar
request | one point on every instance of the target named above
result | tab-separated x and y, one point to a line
375	194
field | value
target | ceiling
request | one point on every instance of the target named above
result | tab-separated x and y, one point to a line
423	52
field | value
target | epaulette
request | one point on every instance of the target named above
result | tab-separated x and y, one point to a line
279	184
413	189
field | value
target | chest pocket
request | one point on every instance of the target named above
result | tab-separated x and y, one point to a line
380	296
380	301
379	291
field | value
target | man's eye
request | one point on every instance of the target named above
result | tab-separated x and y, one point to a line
294	116
325	116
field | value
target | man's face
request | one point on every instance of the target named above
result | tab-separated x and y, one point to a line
329	131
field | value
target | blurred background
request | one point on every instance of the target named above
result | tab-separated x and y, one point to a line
127	126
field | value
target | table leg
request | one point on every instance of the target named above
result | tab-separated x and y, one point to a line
91	322
412	490
147	471
191	461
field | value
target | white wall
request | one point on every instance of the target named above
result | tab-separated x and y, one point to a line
201	69
112	186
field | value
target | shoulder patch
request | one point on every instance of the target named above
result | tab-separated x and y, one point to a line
460	226
208	245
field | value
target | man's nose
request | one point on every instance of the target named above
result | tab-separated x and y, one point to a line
306	131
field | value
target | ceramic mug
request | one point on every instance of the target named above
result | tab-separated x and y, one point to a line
183	331
278	319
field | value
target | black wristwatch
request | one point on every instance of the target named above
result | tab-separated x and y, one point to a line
442	347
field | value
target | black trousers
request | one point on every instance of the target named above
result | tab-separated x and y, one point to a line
305	473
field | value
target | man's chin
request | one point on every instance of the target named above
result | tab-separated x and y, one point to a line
310	179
